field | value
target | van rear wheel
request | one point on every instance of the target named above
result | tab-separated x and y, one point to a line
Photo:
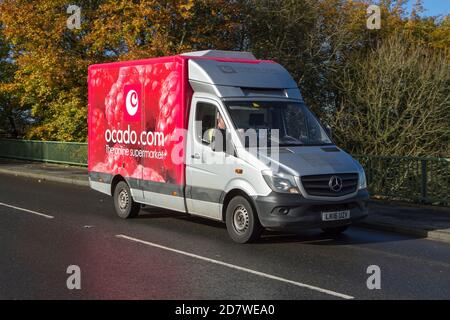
242	222
124	204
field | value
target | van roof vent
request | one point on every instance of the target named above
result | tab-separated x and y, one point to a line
221	54
252	92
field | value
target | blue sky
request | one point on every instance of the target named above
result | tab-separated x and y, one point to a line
433	7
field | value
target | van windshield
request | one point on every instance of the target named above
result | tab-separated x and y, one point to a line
296	125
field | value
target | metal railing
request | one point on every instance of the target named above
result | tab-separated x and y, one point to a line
72	153
417	179
424	180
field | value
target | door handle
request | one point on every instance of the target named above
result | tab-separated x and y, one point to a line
195	156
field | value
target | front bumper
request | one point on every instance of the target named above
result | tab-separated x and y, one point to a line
281	211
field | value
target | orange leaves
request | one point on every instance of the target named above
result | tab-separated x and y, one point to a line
315	39
185	9
52	60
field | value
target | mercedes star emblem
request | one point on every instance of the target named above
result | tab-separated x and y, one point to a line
335	183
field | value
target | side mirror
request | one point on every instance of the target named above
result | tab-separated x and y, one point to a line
328	130
222	142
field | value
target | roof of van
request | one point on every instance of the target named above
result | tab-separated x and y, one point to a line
221	54
223	68
217	55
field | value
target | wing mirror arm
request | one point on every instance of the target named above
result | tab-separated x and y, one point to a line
329	130
223	143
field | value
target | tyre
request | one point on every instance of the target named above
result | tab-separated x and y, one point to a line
242	221
124	204
335	230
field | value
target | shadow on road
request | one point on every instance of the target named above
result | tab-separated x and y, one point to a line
354	235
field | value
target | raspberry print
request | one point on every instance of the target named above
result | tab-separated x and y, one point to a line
154	78
98	128
100	80
120	163
114	100
147	174
170	116
159	89
117	163
100	167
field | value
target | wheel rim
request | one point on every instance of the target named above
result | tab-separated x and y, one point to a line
240	219
123	199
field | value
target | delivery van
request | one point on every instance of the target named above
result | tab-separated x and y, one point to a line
220	135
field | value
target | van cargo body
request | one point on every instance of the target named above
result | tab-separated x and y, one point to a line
176	132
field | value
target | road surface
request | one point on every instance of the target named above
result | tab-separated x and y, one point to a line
46	227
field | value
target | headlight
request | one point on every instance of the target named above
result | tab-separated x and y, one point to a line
280	182
362	182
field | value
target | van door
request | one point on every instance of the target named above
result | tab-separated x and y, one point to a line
209	168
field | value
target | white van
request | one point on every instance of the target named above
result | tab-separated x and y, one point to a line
220	135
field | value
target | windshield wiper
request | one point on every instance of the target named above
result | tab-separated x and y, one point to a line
292	144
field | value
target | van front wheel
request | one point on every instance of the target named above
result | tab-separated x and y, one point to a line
242	222
124	204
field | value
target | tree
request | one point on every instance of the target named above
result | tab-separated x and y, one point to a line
312	39
12	117
52	60
130	30
324	44
395	101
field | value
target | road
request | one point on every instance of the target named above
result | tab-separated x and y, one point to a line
46	227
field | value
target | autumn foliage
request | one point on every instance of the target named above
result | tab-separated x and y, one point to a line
325	44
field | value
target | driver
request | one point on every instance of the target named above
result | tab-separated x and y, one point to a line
220	123
220	129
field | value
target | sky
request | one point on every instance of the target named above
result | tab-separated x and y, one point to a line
433	7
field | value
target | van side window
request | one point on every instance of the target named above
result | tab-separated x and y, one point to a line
206	119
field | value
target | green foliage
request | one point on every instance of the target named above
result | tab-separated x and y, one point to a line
383	91
392	103
11	114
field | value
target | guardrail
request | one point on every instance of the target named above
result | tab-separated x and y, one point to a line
72	153
417	179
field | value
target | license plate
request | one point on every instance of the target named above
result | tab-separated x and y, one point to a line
336	215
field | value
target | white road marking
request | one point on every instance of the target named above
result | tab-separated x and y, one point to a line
26	210
229	265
